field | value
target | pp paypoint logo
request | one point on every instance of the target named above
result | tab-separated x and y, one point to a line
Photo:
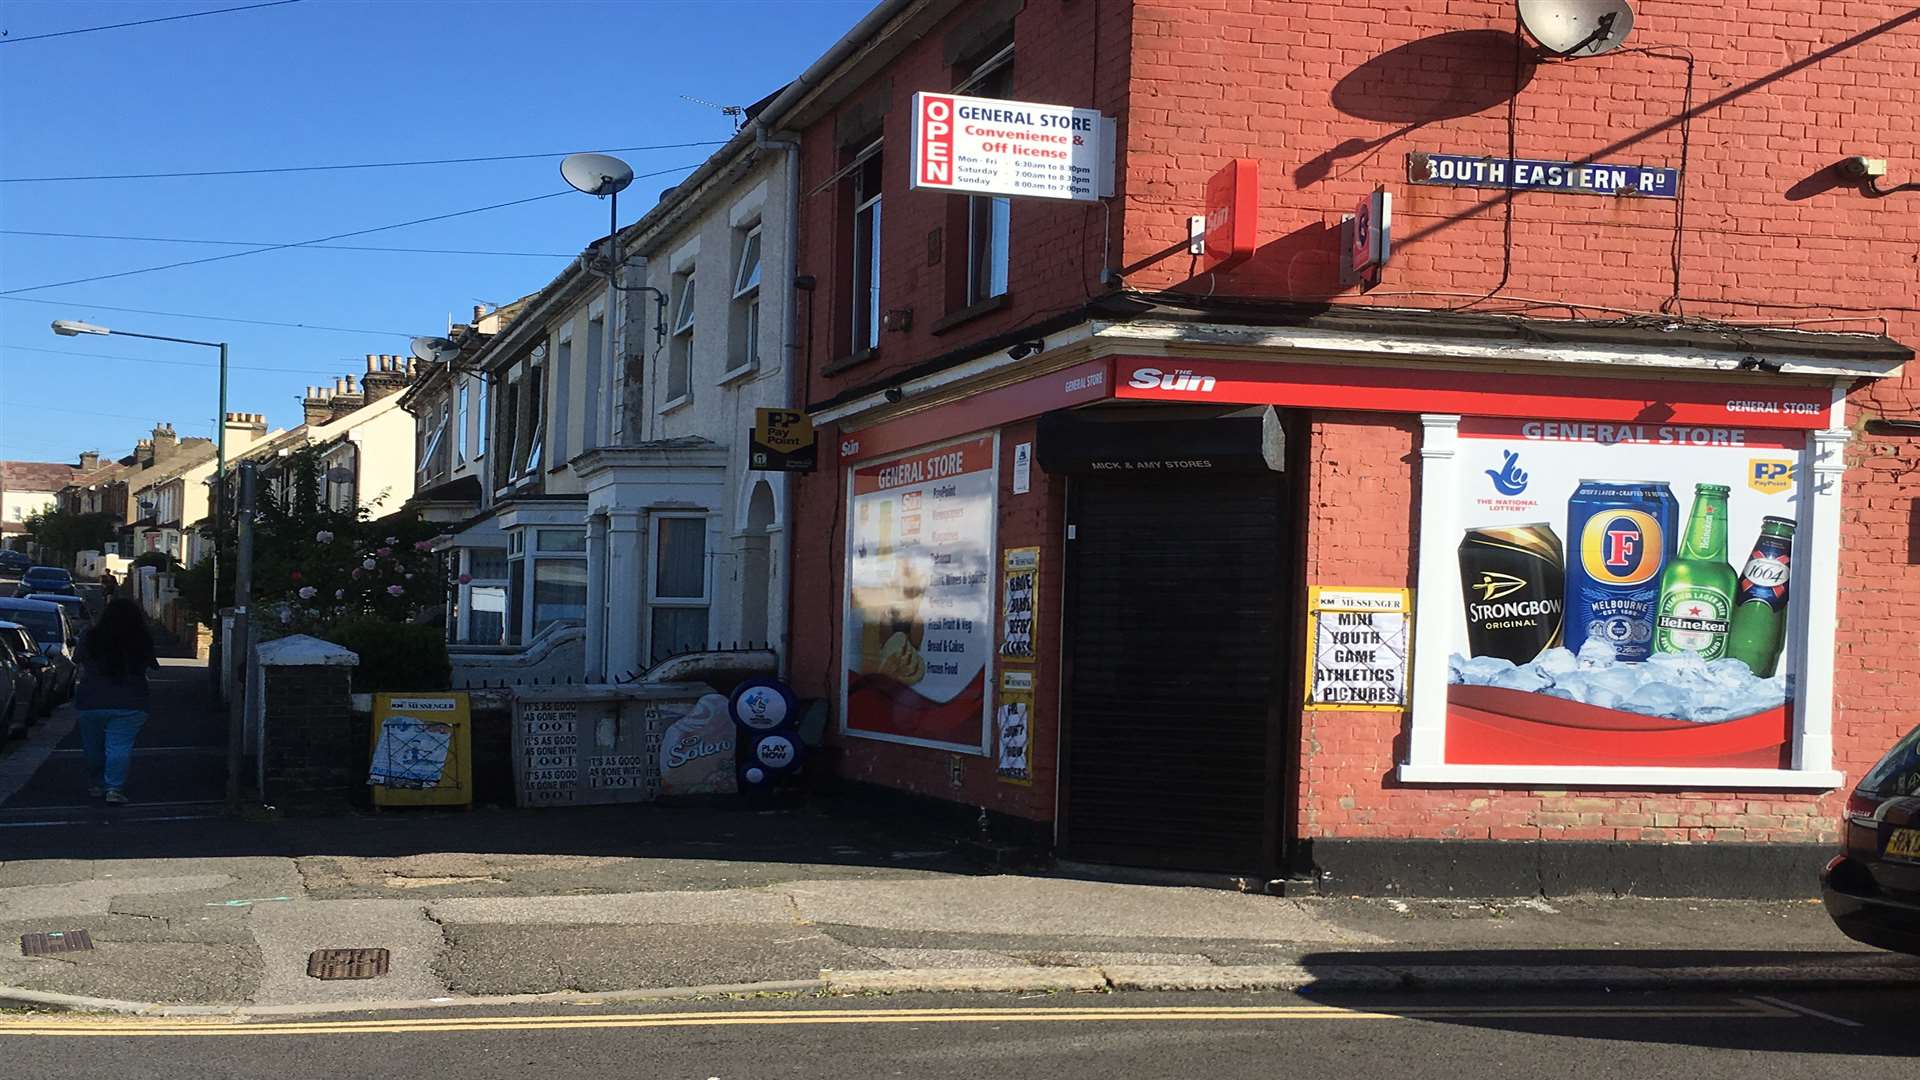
1622	547
1509	478
1769	477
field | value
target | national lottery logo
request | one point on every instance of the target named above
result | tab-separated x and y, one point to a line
1509	478
1621	547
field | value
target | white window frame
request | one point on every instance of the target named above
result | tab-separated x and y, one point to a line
423	469
558	397
460	430
746	302
987	207
594	422
464	628
482	438
680	339
864	284
655	533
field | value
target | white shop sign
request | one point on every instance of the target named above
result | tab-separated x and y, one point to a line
987	146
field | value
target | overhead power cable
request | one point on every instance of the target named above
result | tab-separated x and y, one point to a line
279	247
143	22
37	407
316	240
262	243
357	165
90	306
207	365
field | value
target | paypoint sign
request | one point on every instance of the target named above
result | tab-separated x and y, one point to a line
986	146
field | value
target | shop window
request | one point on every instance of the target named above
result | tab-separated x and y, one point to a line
744	346
678	599
680	347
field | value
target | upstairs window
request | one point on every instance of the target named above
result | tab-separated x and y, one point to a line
460	430
746	305
865	279
989	217
680	349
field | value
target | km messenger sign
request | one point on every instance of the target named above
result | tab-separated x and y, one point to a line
986	146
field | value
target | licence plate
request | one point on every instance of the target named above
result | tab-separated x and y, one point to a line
1904	844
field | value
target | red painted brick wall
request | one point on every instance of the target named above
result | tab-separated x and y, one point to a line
1330	98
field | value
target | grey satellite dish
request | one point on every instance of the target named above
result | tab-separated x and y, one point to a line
339	474
596	174
1577	27
434	350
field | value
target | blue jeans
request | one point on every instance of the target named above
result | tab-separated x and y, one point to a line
107	735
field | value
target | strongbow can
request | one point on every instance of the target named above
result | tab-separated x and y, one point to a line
1621	536
1511	578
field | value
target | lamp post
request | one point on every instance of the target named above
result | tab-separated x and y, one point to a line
72	328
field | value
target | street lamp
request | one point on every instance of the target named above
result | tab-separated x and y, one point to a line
74	328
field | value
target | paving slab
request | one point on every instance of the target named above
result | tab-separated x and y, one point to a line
1051	906
989	980
95	896
518	959
945	958
658	908
288	933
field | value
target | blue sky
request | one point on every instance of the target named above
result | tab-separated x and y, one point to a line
311	83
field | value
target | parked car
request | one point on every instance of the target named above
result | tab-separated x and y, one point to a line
73	605
15	640
17	687
1872	889
52	635
16	561
45	579
95	595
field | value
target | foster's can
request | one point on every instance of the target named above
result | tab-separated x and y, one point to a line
1621	535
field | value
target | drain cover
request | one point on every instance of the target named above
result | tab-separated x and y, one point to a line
55	942
347	963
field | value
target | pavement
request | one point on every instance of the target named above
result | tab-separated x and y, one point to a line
190	911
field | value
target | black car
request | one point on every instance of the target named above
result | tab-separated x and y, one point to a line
14	561
1872	890
42	681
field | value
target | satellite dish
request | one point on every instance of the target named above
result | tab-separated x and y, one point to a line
339	474
435	350
596	174
1577	27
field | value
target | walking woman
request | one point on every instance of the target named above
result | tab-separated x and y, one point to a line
112	698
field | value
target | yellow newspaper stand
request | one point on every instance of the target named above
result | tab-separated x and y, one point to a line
422	752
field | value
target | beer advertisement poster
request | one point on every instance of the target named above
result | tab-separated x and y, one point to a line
1624	595
920	607
1358	640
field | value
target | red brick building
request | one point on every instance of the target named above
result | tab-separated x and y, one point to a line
1648	266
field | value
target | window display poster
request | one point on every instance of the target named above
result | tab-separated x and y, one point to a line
1013	725
919	606
1624	595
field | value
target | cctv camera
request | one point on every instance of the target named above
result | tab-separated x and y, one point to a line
1025	349
895	394
1863	168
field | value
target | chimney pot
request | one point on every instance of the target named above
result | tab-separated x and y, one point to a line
349	380
374	361
479	312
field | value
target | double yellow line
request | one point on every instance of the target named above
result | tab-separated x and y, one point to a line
139	1027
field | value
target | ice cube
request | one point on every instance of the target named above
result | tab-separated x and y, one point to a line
1729	672
1557	661
1674	668
1456	669
1658	699
1528	678
1597	653
1481	670
1571	686
1620	680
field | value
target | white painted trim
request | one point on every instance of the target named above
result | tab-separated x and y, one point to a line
1437	589
750	208
1814	622
684	256
985	365
1619	776
1407	347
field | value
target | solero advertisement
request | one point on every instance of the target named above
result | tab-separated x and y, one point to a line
920	596
1625	595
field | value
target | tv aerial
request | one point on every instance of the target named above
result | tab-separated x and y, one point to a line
736	113
1577	27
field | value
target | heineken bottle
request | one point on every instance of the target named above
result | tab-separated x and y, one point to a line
1760	614
1696	589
